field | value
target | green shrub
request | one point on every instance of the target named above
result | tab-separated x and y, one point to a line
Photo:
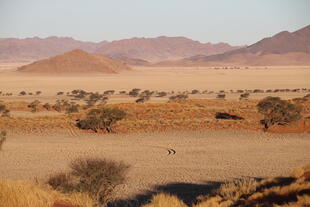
277	111
101	119
94	176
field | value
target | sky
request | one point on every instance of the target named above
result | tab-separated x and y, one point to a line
237	22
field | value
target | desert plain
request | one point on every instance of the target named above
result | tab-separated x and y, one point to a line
181	159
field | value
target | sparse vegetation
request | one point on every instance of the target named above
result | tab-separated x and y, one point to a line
221	96
134	92
195	91
72	108
2	138
22	93
245	192
162	94
34	106
244	96
101	119
4	112
94	176
220	115
165	200
109	92
278	112
38	92
47	106
234	189
178	98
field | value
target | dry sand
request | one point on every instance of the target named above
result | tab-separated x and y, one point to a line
167	79
199	156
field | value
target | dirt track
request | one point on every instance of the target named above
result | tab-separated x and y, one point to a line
160	158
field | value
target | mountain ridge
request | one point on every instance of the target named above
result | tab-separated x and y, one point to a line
292	45
147	49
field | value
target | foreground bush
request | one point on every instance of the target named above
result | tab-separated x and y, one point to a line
101	119
26	194
277	111
96	177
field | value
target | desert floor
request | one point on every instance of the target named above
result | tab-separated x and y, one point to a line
160	79
160	161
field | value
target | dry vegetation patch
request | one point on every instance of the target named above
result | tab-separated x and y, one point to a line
27	194
193	114
279	191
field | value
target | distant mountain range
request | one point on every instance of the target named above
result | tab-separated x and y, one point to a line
284	48
30	49
161	48
145	49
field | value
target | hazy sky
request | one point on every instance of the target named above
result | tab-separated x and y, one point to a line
233	21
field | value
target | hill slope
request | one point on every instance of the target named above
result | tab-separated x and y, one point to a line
76	61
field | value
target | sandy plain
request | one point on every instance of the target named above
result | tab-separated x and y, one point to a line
160	160
161	79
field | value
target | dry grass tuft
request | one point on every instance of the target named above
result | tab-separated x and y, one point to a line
165	200
301	172
233	190
26	194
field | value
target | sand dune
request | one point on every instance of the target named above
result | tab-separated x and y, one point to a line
76	61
